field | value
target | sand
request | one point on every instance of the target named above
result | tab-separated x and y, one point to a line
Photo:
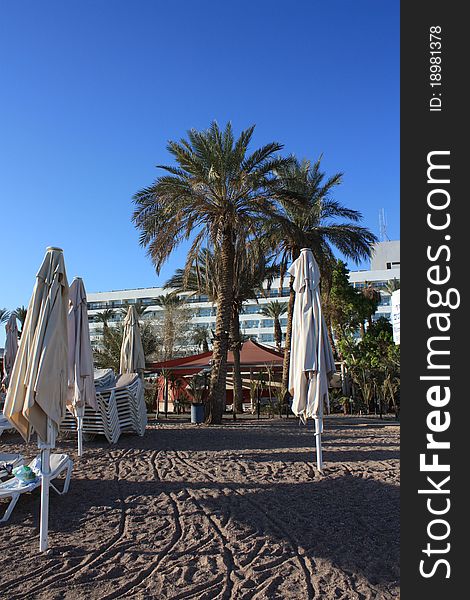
201	512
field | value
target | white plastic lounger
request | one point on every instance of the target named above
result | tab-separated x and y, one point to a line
13	488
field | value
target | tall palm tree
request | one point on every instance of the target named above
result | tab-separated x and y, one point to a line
20	314
214	193
4	315
251	269
274	310
309	219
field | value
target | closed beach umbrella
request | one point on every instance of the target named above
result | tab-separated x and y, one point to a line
132	351
11	348
81	385
38	383
311	359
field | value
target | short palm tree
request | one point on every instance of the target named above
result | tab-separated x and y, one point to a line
104	316
309	219
169	301
372	295
216	192
140	308
200	338
393	285
20	313
251	268
274	310
108	356
170	305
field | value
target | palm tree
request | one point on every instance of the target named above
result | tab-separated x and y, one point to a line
4	315
171	304
309	219
200	338
251	269
140	308
104	316
171	300
372	295
20	313
216	192
274	310
109	354
392	286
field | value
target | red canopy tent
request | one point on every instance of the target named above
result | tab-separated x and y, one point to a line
254	358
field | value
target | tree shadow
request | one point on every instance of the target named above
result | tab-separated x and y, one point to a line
352	522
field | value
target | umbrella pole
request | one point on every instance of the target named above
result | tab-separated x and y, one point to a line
45	448
318	444
80	434
44	521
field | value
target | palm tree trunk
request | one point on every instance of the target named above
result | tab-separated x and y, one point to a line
290	315
235	347
277	333
218	382
331	338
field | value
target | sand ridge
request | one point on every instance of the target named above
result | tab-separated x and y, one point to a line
237	511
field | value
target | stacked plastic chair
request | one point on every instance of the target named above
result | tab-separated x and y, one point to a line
104	378
121	407
129	392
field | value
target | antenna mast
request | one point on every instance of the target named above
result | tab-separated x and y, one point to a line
383	226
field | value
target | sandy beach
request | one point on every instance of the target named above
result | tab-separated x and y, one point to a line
202	512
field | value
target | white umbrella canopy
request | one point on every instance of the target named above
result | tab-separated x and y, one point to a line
311	358
132	351
11	348
81	385
38	383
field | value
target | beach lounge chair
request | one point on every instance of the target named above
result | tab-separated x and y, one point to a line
13	488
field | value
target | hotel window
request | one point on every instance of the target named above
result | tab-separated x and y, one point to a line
249	324
251	309
206	312
266	337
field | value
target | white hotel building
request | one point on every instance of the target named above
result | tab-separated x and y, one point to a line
385	266
203	312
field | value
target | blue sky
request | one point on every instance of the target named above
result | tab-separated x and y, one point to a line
92	91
